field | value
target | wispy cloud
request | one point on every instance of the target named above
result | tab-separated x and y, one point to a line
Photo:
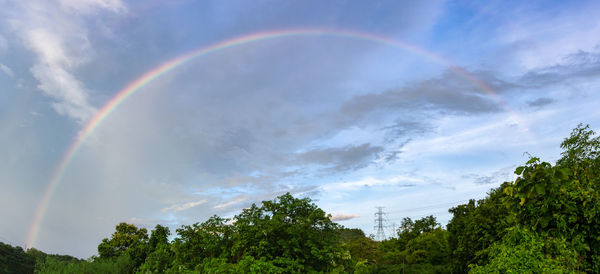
578	66
61	46
505	174
181	207
343	216
397	181
90	6
231	203
540	102
449	93
339	159
7	70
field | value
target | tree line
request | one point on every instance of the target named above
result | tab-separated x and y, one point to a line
545	221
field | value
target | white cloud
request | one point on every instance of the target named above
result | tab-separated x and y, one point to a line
228	204
371	182
7	70
59	39
54	72
89	6
176	208
343	216
543	39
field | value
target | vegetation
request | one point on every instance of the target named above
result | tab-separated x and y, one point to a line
16	260
543	222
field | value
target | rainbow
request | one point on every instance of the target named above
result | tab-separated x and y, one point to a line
168	66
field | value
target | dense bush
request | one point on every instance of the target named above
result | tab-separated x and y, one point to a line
522	250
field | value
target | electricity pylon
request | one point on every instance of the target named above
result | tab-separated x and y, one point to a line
380	221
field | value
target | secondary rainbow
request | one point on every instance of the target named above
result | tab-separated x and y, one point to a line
145	79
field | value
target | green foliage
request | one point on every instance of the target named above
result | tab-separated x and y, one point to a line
563	200
285	235
410	229
160	256
288	228
429	247
122	264
159	236
250	265
215	265
474	227
524	251
129	240
210	239
125	237
159	260
581	148
15	260
421	247
363	251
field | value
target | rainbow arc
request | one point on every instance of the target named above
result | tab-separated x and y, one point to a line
135	86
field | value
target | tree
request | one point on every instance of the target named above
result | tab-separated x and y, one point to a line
580	148
160	256
563	200
125	237
15	260
410	229
363	250
127	240
474	227
210	239
159	260
120	265
159	235
421	247
286	233
290	230
430	247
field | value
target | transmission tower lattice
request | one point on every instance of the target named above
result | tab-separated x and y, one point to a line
380	224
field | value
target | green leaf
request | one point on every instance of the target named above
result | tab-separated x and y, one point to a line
533	160
539	188
564	173
544	221
508	191
519	170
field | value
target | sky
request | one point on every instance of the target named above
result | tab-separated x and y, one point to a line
414	106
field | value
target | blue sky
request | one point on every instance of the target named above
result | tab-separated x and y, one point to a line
352	124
